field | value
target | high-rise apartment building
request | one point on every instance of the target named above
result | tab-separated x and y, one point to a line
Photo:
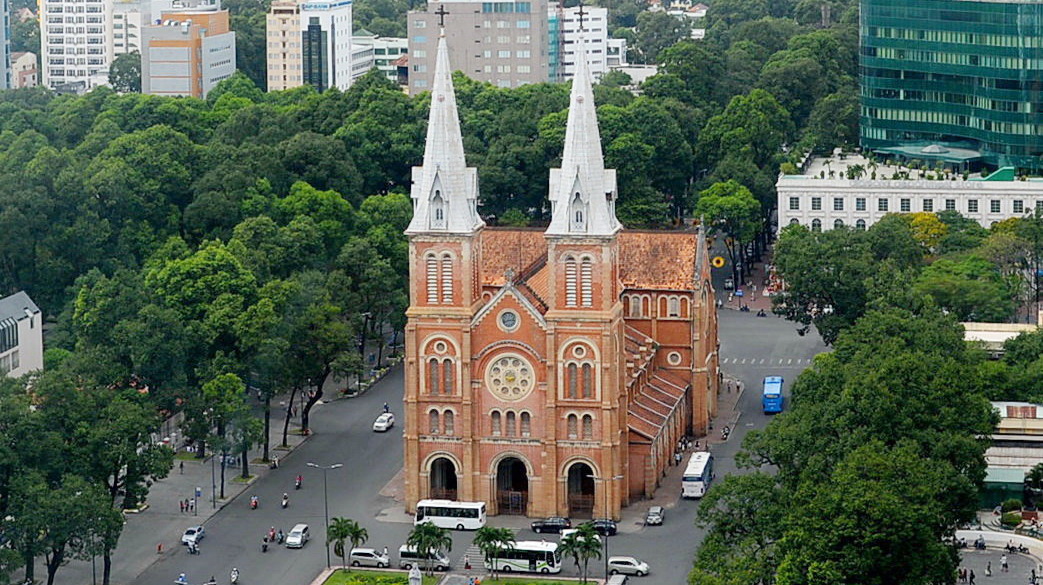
564	25
326	57
953	81
188	52
74	40
5	44
386	50
283	34
504	42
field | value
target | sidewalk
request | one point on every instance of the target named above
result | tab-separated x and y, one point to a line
753	295
162	523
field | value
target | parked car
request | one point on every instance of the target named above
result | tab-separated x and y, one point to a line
552	524
408	557
570	531
627	566
604	526
368	557
654	517
298	537
193	534
384	422
617	580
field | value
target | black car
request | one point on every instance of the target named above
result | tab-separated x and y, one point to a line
604	526
552	524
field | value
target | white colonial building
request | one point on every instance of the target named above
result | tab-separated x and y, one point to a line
823	200
21	336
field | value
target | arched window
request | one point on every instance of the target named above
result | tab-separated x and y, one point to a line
794	221
512	428
432	279
673	307
572	423
447	376
635	306
860	225
570	281
448	418
438	210
572	382
586	277
432	418
447	278
526	424
816	225
434	373
578	220
496	422
588	381
838	224
588	427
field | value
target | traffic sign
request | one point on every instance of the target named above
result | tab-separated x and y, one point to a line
717	262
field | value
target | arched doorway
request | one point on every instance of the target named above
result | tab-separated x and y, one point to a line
580	490
443	479
512	487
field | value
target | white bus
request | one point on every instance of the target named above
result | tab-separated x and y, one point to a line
697	476
451	514
533	556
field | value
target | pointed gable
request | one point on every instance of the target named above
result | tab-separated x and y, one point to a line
445	189
582	191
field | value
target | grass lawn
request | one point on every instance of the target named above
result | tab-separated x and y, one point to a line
361	577
527	581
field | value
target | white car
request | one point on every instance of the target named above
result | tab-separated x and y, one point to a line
298	537
568	531
627	566
192	535
384	422
368	557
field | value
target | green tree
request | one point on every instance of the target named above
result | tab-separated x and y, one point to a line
732	211
972	288
582	546
125	73
342	530
492	542
655	32
427	539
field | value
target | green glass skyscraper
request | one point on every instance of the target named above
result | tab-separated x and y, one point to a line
954	81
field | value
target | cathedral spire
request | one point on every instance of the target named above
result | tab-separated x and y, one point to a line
445	189
583	191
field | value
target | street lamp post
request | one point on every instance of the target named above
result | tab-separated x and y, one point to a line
326	502
604	482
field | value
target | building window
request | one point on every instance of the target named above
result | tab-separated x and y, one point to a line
447	278
447	376
512	428
586	275
434	375
950	205
838	204
588	381
794	203
838	224
928	204
572	372
419	24
816	225
860	204
635	306
526	424
816	203
432	418
432	279
570	282
972	206
860	225
572	424
1019	206
588	427
496	423
905	205
881	204
448	420
994	206
673	307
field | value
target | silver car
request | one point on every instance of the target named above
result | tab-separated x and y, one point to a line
627	566
368	557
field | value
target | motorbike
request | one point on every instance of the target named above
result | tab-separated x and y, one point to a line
212	581
193	548
297	484
254	502
264	545
234	577
725	432
181	580
285	501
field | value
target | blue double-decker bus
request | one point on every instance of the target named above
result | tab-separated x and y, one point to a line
772	394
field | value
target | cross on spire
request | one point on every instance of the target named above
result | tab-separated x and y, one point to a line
441	12
581	13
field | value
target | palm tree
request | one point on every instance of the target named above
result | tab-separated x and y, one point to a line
341	530
492	541
582	545
427	539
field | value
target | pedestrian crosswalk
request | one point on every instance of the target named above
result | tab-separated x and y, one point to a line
773	362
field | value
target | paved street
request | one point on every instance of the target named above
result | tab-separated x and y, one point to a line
751	348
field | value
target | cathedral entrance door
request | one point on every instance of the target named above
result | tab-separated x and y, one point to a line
512	487
443	479
581	490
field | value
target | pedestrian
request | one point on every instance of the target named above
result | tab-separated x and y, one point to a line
182	467
677	458
467	563
988	569
972	577
1033	579
962	574
386	409
192	505
385	551
186	504
1004	567
181	505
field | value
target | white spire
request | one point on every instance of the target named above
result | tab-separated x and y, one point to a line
445	189
582	191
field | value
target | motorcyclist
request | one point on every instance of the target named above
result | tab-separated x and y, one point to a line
182	579
212	581
300	480
280	536
234	576
254	501
285	499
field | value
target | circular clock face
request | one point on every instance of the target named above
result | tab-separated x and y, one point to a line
510	377
509	320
